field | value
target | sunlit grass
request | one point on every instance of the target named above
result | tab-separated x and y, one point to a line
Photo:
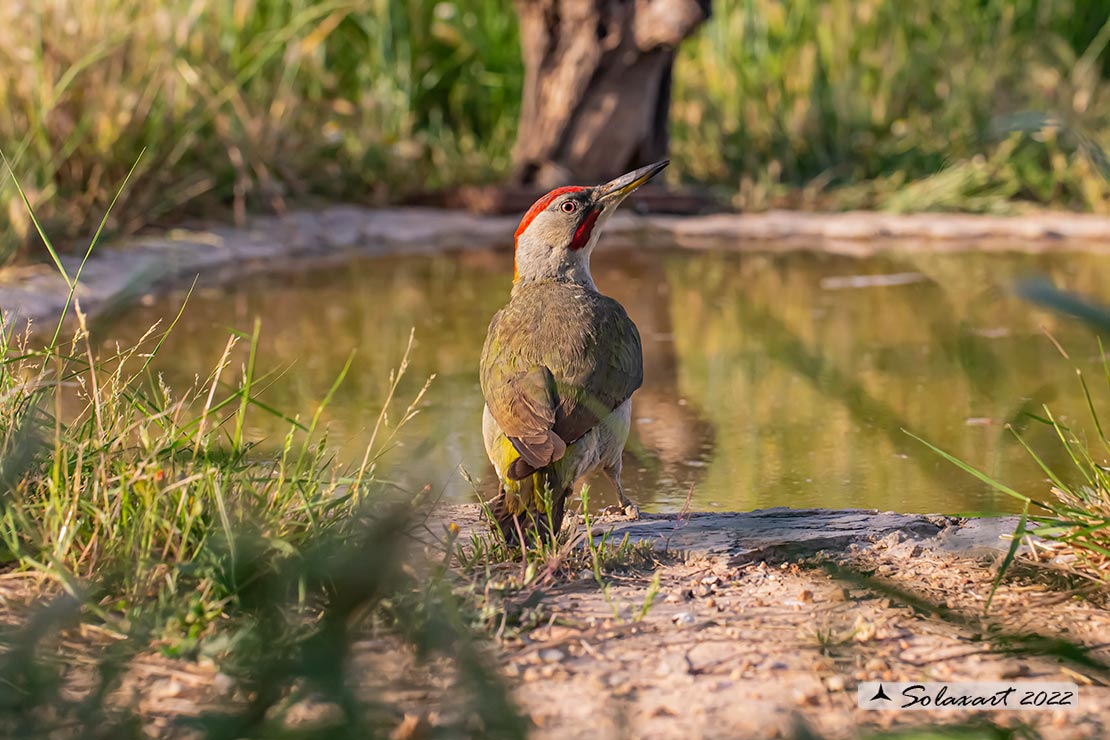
151	516
110	472
261	104
247	104
842	104
152	521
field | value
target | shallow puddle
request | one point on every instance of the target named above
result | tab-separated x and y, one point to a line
778	379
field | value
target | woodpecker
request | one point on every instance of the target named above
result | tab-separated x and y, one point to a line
560	362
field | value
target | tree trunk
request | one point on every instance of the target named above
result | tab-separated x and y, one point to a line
597	85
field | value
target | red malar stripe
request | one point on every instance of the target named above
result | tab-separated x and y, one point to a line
582	233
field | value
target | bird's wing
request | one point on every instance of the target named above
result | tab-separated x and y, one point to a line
612	368
529	405
547	381
521	396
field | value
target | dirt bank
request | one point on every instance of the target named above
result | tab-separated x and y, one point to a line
121	273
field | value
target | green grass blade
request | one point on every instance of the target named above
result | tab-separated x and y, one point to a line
1015	543
92	245
38	226
248	377
1056	481
997	485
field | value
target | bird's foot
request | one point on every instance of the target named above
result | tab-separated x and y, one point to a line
625	508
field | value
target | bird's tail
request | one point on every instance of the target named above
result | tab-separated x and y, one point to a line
534	505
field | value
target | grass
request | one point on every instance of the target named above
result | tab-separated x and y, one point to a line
147	520
515	573
115	471
1074	523
260	105
248	105
836	104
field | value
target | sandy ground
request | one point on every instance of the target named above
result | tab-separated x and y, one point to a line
759	643
763	626
757	649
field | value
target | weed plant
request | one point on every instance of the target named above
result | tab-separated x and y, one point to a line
136	518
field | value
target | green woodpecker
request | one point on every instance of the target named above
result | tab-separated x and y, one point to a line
560	362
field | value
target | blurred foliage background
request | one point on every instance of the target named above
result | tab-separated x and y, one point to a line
981	105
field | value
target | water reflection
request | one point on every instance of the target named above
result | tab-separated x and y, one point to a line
770	380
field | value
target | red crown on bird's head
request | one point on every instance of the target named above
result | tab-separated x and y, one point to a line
541	204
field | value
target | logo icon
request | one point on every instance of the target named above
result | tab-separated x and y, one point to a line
880	694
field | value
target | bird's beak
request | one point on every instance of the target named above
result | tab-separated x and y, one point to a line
612	193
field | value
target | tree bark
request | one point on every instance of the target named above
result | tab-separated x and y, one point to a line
597	85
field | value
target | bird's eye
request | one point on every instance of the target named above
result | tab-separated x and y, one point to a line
569	206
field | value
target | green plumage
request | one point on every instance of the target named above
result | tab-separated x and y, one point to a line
560	362
558	358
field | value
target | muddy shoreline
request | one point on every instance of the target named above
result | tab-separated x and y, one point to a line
122	272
